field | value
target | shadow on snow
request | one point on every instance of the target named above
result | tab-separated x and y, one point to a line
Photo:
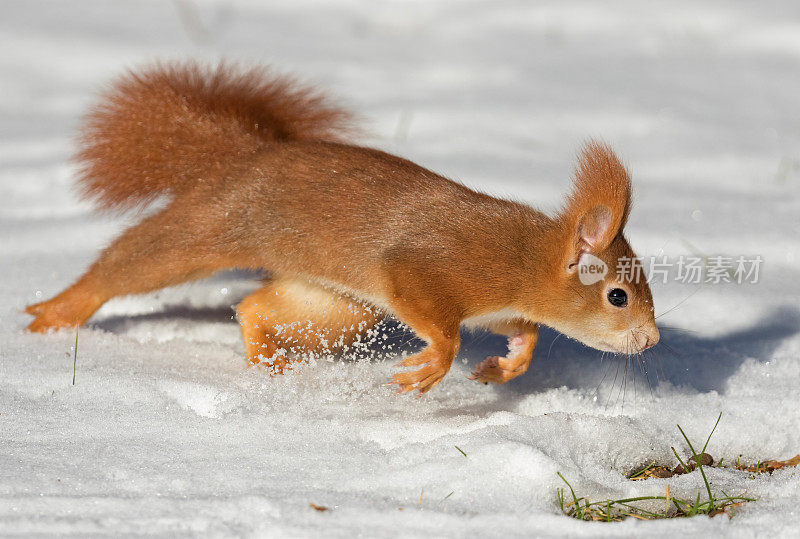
681	358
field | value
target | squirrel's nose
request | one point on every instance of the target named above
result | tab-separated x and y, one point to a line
652	338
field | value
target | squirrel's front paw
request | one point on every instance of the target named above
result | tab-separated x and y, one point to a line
497	370
423	379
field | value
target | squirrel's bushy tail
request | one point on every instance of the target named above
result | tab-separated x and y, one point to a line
167	127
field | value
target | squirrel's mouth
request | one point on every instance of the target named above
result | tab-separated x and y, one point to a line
630	342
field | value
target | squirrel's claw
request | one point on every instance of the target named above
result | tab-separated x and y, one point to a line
423	379
492	370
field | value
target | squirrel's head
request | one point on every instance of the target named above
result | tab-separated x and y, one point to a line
600	293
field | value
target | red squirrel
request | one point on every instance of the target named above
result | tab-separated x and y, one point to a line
260	174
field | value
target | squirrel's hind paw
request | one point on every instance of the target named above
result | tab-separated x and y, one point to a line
42	324
51	315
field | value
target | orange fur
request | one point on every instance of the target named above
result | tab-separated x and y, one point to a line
258	177
172	125
290	315
522	338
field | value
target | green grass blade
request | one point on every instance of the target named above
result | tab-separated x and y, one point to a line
75	355
643	470
699	466
575	499
685	467
712	433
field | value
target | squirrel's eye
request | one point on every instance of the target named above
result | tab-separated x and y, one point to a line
617	297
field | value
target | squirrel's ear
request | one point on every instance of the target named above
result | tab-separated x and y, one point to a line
597	209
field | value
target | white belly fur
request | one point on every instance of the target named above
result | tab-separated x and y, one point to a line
487	319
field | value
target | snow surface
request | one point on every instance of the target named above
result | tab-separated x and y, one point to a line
166	432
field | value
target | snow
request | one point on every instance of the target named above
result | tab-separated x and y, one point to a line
167	432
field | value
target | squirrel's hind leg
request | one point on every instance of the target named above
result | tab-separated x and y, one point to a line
162	250
290	315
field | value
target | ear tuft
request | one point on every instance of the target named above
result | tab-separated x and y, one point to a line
598	206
